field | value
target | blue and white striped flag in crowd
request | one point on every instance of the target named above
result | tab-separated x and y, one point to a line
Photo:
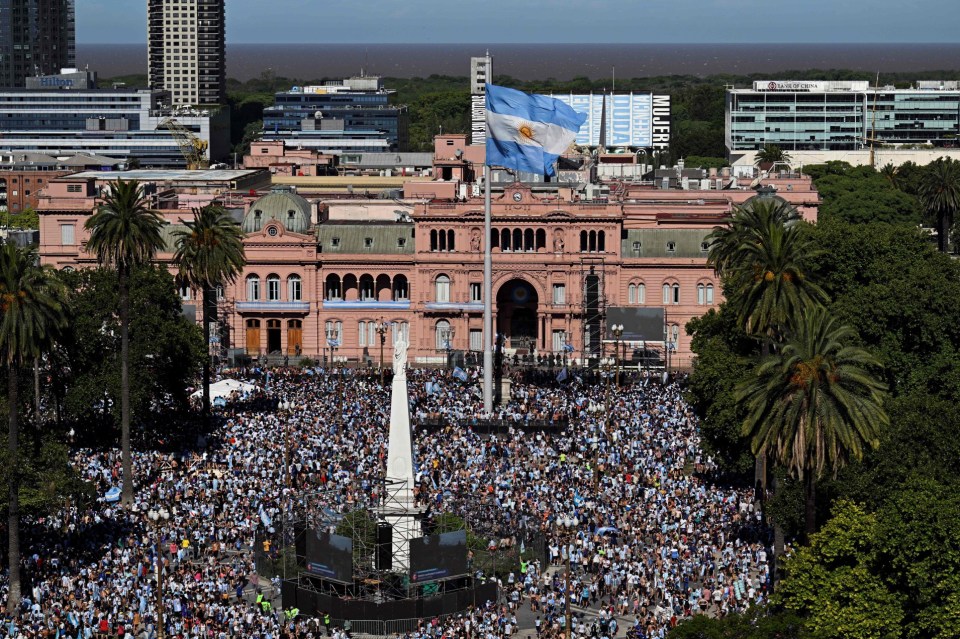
460	374
562	375
528	132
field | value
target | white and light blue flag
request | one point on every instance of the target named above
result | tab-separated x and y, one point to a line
460	374
528	132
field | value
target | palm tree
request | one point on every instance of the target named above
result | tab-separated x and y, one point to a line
125	234
31	312
770	155
814	404
210	253
890	174
762	257
940	195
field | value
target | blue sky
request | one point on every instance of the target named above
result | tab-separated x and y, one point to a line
550	21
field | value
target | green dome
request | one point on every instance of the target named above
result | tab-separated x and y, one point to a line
288	208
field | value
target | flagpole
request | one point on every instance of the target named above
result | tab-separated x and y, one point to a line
487	297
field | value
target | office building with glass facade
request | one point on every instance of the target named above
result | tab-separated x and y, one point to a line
37	37
118	123
842	116
340	116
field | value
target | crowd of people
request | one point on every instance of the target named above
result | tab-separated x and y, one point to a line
622	494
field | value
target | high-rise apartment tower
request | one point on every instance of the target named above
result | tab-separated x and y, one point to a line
186	42
37	37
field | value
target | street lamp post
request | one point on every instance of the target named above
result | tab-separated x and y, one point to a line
381	329
157	517
617	330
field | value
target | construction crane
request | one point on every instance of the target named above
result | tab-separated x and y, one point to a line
194	149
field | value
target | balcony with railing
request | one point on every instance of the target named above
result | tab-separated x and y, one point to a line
274	306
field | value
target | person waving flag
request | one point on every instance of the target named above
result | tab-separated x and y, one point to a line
528	132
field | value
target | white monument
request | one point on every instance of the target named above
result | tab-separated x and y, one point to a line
399	509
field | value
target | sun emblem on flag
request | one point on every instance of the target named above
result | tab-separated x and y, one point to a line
526	131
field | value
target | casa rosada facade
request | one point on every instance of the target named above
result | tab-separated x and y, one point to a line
324	274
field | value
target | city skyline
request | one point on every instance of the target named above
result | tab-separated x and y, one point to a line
701	21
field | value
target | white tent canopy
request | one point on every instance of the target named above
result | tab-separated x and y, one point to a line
225	388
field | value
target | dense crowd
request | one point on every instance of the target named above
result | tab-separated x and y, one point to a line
622	494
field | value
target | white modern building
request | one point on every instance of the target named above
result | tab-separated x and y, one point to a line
123	124
844	120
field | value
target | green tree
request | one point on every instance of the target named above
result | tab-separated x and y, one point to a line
771	154
893	286
940	194
814	404
31	311
166	352
762	257
125	234
725	357
917	546
209	253
832	583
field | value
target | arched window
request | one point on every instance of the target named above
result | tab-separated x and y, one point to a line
185	292
367	288
593	241
443	288
253	288
705	294
504	239
671	293
541	239
333	288
528	244
494	238
450	242
333	329
367	331
401	289
517	240
636	293
434	245
601	241
399	329
273	288
441	240
583	242
294	288
444	336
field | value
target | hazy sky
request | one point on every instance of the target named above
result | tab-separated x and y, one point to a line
550	21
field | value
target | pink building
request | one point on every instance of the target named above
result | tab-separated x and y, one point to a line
323	275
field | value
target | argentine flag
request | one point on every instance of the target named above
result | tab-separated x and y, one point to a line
528	132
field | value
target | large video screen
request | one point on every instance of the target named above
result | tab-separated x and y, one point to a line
330	556
639	324
438	556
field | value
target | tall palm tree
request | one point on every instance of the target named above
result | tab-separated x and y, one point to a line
763	258
770	155
940	195
814	404
31	312
125	234
210	253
